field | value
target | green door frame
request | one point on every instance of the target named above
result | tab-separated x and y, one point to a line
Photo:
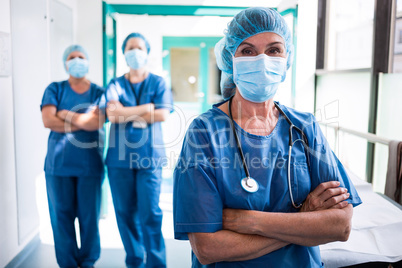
109	43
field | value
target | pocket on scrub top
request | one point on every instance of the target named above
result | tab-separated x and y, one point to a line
300	180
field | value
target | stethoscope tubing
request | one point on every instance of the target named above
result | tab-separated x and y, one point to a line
249	184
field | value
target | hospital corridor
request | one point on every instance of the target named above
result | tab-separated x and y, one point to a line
200	133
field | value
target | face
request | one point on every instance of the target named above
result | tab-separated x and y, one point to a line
76	54
270	44
134	43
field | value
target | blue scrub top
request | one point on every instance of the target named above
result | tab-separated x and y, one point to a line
207	178
131	147
79	153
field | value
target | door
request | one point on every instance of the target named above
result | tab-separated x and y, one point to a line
193	75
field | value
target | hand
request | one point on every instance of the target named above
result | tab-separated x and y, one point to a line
237	220
151	106
114	107
327	195
62	114
94	110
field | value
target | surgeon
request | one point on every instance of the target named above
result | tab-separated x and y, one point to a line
137	103
242	195
73	165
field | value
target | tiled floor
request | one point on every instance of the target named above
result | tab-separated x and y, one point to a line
112	254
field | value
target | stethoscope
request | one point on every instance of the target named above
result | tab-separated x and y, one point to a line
248	183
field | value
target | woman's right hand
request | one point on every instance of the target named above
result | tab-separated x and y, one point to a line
327	195
150	106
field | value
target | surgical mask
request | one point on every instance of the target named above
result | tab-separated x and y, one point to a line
257	78
77	67
136	58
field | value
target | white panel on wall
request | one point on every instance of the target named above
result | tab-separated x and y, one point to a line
8	196
5	54
61	36
30	77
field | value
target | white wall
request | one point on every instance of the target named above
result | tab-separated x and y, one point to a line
8	195
306	55
23	139
89	35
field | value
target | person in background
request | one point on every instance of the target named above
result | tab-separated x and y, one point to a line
256	184
74	164
137	103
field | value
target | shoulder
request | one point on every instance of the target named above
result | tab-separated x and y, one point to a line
97	88
55	86
207	120
97	91
116	81
156	79
299	118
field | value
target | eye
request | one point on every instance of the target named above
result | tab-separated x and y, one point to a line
247	51
274	51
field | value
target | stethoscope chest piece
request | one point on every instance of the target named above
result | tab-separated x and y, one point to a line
249	184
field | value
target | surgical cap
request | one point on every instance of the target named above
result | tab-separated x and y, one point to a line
245	24
73	48
135	35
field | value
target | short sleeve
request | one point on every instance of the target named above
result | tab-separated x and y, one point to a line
50	96
325	166
163	96
197	204
112	91
100	100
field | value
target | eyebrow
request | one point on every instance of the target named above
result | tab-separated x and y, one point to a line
270	44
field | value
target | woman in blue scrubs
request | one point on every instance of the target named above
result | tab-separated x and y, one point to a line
137	103
73	165
298	198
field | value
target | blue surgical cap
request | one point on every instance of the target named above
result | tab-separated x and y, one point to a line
135	35
245	24
73	48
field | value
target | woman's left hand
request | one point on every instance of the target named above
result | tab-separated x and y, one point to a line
238	220
327	195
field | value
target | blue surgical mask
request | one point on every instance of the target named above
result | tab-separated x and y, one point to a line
136	58
77	67
257	78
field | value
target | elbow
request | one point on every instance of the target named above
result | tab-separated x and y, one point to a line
345	232
163	115
204	248
47	124
345	223
204	254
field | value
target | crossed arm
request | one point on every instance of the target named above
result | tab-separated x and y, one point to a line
65	121
248	234
117	113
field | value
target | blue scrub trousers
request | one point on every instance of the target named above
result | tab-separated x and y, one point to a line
70	198
135	195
